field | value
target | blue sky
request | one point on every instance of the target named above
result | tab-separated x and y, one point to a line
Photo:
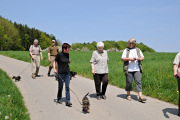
153	22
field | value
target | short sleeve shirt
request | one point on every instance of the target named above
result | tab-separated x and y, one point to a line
62	60
177	62
35	49
133	66
100	61
53	50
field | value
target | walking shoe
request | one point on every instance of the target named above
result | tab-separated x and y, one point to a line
98	97
59	101
141	99
33	76
48	74
128	97
69	104
104	97
179	114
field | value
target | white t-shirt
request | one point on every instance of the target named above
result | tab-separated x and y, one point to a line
133	66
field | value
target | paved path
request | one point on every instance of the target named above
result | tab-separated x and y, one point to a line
39	95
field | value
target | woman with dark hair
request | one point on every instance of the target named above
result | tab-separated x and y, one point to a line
62	59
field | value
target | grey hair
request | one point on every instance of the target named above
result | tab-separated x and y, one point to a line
132	40
100	44
36	40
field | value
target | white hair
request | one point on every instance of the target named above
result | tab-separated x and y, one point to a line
100	44
36	40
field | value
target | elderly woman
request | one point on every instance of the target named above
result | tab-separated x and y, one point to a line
132	57
99	65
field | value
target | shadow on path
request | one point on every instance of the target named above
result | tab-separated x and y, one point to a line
123	96
172	111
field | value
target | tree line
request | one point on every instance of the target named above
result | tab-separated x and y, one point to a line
18	37
109	45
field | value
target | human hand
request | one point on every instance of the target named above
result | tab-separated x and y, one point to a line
175	74
41	58
55	71
138	59
69	60
132	59
49	59
93	72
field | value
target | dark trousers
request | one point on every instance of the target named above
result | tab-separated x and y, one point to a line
98	78
65	77
178	79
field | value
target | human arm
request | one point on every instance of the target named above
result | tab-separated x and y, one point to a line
175	69
92	66
41	55
31	55
30	52
54	67
140	59
49	58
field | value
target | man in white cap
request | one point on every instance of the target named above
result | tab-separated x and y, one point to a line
35	52
52	52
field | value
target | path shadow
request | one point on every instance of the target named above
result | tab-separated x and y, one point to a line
93	95
52	75
172	111
63	99
40	76
123	96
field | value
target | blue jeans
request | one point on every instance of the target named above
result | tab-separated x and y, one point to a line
64	77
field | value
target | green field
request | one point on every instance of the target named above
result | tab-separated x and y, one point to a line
11	101
157	79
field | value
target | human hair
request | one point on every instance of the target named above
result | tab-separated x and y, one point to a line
65	46
35	40
100	44
132	40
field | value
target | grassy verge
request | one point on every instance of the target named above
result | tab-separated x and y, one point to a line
157	79
11	101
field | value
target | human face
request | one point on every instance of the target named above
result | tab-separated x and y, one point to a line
100	49
66	50
53	43
35	43
131	45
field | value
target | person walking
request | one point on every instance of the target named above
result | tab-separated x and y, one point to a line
35	52
177	75
99	65
52	52
63	61
132	57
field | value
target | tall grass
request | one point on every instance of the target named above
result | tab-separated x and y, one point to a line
11	101
157	78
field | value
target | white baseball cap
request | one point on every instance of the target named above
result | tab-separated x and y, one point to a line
53	40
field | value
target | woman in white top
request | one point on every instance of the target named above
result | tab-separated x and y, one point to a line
132	58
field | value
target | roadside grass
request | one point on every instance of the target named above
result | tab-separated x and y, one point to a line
11	101
157	78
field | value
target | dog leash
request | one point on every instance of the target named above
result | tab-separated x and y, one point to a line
70	90
24	69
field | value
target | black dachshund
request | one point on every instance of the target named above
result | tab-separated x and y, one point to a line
17	78
72	74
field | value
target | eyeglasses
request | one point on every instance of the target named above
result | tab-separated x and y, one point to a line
131	43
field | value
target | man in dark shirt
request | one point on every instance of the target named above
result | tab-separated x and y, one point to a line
63	61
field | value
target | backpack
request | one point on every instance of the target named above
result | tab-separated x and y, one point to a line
126	63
